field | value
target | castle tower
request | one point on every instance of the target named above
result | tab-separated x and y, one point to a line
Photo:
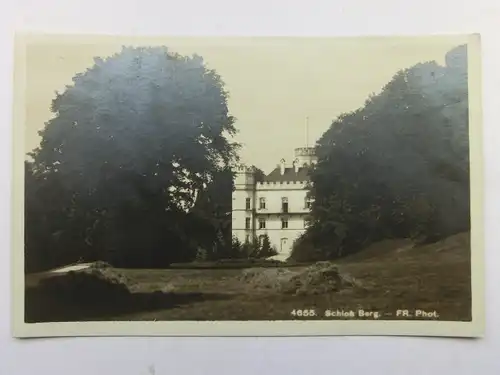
306	156
243	212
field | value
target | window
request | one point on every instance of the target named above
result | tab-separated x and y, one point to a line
247	223
262	223
247	203
262	203
284	204
284	223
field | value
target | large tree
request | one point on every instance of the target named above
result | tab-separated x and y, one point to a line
133	141
397	167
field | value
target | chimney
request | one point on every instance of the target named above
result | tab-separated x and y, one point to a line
296	165
282	166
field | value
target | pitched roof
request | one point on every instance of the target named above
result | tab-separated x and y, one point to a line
290	175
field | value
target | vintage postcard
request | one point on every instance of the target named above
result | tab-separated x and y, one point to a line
247	186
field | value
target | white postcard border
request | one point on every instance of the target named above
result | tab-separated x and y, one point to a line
475	328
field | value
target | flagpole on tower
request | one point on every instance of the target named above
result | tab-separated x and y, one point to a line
307	131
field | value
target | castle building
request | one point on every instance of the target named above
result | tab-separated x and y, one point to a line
275	204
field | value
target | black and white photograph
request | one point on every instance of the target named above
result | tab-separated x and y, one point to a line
286	181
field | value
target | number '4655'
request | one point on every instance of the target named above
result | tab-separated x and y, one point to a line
303	313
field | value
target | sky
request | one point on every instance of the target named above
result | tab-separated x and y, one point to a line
274	83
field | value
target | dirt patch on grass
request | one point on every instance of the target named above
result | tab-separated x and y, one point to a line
321	277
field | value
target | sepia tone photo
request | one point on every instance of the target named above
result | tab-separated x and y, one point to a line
241	186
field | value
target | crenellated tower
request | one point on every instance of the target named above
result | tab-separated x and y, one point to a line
243	220
306	156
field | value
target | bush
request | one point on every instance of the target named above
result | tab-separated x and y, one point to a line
237	250
266	250
247	250
309	247
230	264
250	249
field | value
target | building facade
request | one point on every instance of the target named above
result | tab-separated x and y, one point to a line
276	204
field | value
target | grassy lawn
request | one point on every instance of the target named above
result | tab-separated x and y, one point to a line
394	276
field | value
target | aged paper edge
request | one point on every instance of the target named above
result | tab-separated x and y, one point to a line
20	329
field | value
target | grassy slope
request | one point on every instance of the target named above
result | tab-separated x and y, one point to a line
396	276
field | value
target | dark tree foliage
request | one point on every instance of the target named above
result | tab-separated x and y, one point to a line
211	215
259	248
250	248
397	167
266	250
259	174
127	168
237	250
